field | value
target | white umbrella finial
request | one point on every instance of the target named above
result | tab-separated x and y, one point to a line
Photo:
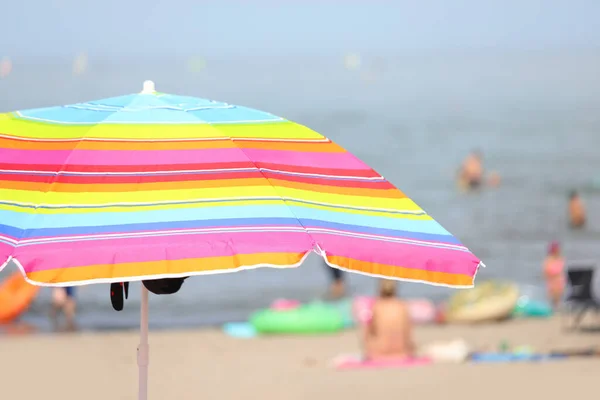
148	88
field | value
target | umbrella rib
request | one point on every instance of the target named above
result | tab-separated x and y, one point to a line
220	134
53	182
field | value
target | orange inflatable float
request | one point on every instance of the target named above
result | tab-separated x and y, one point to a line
15	297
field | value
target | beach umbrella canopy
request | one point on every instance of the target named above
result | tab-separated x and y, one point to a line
152	186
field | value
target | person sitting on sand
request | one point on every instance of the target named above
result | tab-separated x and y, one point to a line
576	210
388	334
63	299
554	273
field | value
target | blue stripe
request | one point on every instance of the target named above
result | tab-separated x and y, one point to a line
399	224
308	223
225	223
43	221
89	230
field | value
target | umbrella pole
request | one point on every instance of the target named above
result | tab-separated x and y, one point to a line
143	348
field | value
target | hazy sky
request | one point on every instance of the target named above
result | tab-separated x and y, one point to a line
116	27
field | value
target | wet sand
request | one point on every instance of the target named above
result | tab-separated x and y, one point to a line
205	364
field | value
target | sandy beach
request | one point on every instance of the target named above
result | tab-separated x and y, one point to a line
195	364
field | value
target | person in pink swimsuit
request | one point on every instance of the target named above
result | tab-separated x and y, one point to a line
554	265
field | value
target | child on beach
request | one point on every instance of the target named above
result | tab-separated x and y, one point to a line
553	272
388	333
63	299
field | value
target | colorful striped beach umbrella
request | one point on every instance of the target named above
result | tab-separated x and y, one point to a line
152	185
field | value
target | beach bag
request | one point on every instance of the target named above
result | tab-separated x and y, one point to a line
164	286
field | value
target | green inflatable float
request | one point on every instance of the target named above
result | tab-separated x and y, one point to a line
313	318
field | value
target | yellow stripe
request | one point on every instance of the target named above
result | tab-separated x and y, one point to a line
39	130
55	198
49	211
140	208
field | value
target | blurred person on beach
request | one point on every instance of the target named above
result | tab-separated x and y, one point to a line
63	300
388	333
554	265
471	175
337	287
576	211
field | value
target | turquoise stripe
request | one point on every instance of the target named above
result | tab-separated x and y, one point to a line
41	221
398	224
149	109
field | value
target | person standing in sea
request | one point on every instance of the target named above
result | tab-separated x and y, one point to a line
471	175
577	217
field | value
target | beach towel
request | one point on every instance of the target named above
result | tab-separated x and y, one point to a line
356	361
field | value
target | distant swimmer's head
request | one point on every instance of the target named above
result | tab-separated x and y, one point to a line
387	288
554	248
494	179
477	153
573	194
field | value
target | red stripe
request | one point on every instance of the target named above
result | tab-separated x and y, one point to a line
366	173
126	168
117	179
331	182
120	179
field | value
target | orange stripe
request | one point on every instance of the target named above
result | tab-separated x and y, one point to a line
117	145
352	191
393	271
321	147
198	184
190	265
126	187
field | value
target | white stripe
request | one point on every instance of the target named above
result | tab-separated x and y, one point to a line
133	235
115	109
218	138
385	238
233	229
54	173
165	172
241	139
91	139
216	200
342	177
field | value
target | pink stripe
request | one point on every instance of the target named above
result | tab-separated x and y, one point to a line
97	157
169	157
5	252
42	257
306	159
399	254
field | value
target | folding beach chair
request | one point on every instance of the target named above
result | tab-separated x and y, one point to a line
583	293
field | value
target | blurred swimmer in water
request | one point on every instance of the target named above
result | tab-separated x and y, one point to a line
577	216
471	171
471	175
